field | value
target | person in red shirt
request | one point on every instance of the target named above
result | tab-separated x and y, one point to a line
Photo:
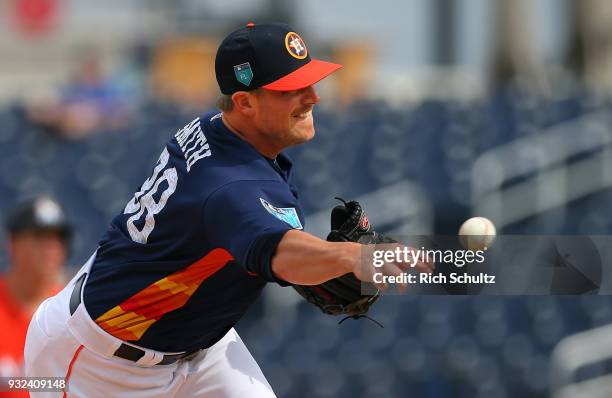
38	238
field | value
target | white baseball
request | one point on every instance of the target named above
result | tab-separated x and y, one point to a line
477	233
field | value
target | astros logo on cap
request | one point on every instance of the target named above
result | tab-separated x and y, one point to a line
295	45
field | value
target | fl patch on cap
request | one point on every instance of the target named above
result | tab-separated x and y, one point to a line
270	55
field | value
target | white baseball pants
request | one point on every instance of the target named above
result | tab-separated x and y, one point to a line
75	347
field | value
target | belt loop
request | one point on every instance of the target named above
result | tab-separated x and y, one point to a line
149	358
158	357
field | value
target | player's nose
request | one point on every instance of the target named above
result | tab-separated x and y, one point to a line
310	96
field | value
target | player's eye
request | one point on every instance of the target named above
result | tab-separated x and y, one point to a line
291	93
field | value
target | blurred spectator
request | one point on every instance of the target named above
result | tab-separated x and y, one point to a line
89	102
38	237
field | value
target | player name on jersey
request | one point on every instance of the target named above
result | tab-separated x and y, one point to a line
193	143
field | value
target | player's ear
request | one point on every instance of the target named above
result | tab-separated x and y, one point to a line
11	244
244	102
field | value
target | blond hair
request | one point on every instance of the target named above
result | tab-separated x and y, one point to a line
226	104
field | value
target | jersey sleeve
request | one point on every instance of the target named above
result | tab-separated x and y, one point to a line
240	217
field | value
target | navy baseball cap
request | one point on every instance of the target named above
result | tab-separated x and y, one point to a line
268	55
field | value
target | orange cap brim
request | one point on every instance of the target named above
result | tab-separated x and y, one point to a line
305	76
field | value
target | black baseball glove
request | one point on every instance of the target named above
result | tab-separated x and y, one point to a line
343	295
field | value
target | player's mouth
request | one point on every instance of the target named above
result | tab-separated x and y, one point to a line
303	115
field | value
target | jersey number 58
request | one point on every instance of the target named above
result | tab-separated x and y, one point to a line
144	201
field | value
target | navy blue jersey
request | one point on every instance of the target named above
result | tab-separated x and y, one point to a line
192	249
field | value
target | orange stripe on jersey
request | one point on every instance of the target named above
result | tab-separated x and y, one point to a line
131	319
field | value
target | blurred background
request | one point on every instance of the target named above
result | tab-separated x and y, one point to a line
444	109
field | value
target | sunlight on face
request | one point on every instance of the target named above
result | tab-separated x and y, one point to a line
286	116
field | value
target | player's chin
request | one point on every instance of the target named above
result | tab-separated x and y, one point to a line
303	132
306	134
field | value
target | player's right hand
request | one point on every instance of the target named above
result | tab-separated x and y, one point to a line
372	263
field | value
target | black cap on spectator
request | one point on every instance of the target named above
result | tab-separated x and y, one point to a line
39	214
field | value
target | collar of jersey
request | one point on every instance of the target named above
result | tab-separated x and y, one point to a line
282	160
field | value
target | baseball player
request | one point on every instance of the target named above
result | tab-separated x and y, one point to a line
151	313
37	244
